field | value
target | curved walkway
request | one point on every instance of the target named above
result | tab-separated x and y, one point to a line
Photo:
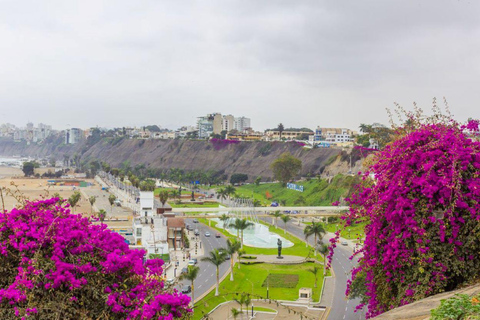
274	260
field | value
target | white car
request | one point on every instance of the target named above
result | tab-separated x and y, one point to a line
207	234
192	262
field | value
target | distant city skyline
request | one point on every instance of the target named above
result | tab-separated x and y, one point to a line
301	63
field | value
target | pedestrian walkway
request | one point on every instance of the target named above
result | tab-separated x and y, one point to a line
272	259
179	260
224	311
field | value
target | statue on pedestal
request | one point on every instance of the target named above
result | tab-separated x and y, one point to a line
279	244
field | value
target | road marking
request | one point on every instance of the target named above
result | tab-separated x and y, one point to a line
206	280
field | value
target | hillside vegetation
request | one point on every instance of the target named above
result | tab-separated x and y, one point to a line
317	192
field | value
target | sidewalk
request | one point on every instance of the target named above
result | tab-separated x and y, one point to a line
180	256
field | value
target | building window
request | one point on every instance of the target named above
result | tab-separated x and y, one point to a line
139	232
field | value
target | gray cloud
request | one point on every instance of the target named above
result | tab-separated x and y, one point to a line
303	63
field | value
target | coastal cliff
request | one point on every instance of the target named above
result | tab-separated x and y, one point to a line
252	158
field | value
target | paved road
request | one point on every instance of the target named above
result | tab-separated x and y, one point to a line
342	308
207	276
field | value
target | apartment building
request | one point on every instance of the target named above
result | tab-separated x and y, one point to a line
333	135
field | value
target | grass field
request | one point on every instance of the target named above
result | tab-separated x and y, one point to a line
157	191
298	249
195	205
316	192
249	279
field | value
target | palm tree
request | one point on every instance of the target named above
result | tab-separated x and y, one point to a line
92	200
163	196
314	271
241	301
224	218
280	129
317	229
111	199
102	214
323	249
247	302
241	225
231	249
230	191
222	193
217	257
285	219
192	273
277	215
235	313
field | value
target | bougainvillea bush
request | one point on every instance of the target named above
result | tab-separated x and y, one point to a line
57	265
422	211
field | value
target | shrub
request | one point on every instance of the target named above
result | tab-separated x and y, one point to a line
56	265
459	307
422	216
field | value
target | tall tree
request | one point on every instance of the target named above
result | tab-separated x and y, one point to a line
224	218
317	230
163	197
286	167
74	198
280	129
285	220
92	200
102	214
277	214
216	257
240	225
192	274
314	271
111	199
323	249
231	249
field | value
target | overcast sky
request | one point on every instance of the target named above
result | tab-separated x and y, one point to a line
303	63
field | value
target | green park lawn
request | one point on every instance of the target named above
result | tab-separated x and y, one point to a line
251	279
298	249
317	192
353	232
157	191
194	205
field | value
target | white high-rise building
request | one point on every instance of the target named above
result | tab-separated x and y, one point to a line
242	123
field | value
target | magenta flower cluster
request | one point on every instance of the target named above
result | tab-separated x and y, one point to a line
56	263
219	144
422	211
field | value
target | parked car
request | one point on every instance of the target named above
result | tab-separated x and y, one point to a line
227	257
186	289
344	243
189	227
197	233
184	270
195	221
207	234
196	260
170	281
217	235
192	262
274	204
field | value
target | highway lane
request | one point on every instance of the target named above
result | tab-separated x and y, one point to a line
207	275
342	308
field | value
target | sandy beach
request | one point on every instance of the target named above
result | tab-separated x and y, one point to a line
33	188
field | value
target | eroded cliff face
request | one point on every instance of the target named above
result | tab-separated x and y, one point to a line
252	158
